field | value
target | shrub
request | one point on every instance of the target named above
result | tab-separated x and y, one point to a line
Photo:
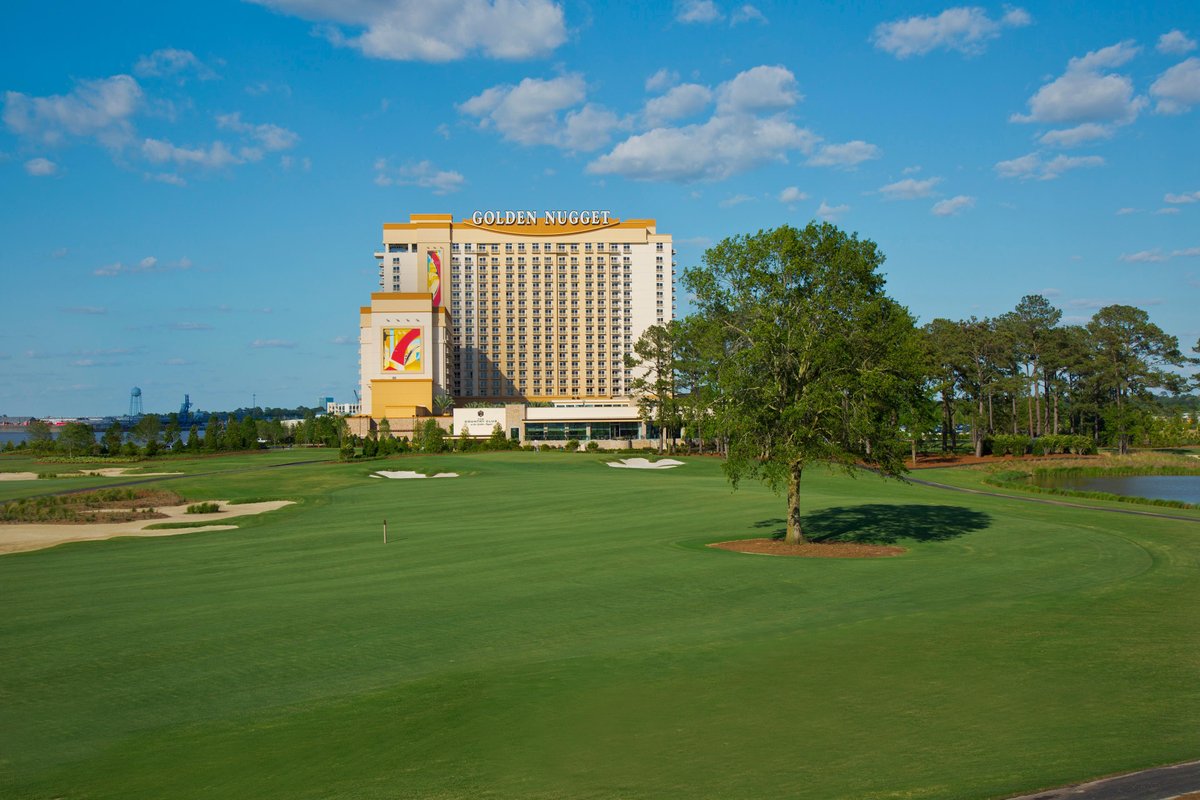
203	508
593	446
1003	444
572	445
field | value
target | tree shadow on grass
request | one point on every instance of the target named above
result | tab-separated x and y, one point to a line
879	523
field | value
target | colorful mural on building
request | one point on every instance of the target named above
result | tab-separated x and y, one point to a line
433	276
402	350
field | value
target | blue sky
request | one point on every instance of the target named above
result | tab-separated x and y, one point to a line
192	193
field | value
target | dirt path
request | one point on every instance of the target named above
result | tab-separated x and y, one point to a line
1160	783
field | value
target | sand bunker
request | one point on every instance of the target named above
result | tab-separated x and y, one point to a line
35	536
642	463
103	472
407	474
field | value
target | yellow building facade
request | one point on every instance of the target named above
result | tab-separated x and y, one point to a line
510	306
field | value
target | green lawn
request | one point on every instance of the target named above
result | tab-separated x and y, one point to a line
547	627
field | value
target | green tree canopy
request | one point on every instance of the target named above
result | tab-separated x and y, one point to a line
818	362
1131	357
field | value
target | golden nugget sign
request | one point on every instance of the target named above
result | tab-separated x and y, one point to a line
523	217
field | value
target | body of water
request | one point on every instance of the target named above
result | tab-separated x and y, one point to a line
1185	488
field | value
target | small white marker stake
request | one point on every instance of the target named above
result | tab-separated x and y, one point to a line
385	531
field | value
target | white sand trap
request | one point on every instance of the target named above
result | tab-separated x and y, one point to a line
407	474
103	472
35	536
643	463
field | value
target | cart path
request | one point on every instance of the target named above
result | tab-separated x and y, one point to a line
1046	502
1160	783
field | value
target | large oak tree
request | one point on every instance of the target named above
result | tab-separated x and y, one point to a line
818	363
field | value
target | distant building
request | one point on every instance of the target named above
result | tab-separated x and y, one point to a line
519	308
513	307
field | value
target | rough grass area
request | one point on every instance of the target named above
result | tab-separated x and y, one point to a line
555	628
103	505
203	508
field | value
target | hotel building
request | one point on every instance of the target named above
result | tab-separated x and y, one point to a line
511	307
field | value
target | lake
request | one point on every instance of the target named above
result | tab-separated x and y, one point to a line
1185	488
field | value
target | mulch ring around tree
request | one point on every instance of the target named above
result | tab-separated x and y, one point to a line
775	547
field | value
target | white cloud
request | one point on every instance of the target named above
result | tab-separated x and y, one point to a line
98	109
735	200
716	149
423	174
759	89
41	167
265	136
1144	257
165	177
345	340
1080	134
697	11
1165	211
589	128
964	29
951	207
86	310
909	188
831	213
1083	94
261	343
1175	43
532	113
145	265
215	156
1032	166
747	13
661	80
169	61
1186	197
791	195
682	101
1127	210
1177	89
845	155
1189	252
437	30
748	127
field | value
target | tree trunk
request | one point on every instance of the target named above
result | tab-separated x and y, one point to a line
795	534
991	416
1056	394
914	450
1013	397
977	428
1037	398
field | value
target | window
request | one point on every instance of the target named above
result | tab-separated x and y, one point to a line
397	248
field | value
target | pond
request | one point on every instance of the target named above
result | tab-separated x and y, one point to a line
1185	488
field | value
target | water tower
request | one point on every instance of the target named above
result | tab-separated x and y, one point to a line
135	402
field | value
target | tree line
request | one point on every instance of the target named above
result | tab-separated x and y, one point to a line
1016	382
150	436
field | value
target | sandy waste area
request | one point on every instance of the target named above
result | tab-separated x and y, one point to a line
103	472
644	463
21	537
